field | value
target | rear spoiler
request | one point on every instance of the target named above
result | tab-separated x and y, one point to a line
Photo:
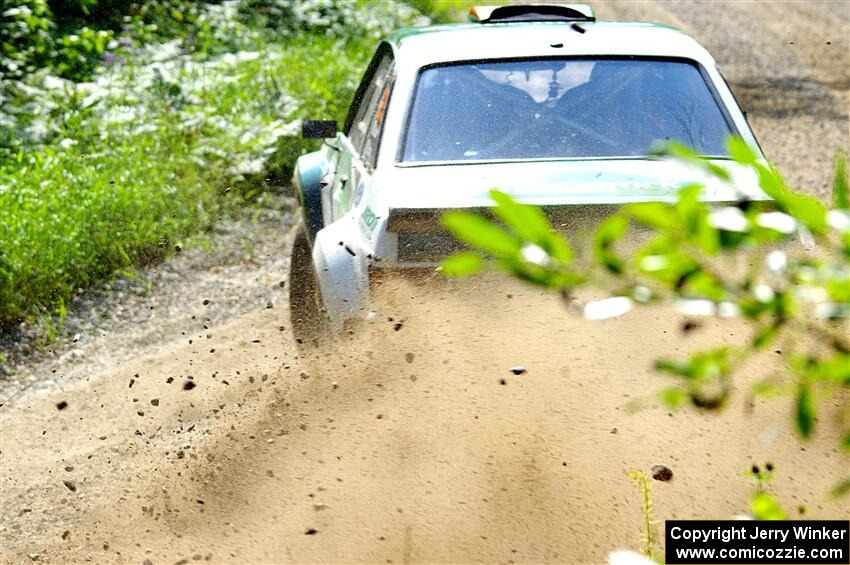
532	13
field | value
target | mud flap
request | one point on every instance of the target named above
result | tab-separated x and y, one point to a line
342	271
308	174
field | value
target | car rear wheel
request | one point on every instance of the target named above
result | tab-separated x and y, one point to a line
307	315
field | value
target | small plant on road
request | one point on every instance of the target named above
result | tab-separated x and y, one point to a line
649	538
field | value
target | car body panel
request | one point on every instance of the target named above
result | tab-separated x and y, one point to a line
603	181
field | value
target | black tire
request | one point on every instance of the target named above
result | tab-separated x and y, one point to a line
307	316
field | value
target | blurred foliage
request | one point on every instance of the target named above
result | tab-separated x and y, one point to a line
763	505
71	37
331	17
25	39
447	11
782	265
68	37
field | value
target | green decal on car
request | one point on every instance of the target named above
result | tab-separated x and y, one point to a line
369	218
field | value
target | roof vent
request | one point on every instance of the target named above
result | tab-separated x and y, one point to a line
532	13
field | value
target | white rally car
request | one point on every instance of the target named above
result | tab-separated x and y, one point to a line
540	101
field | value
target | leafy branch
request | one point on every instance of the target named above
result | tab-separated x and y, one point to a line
779	261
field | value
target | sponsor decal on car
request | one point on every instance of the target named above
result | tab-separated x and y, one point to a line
369	219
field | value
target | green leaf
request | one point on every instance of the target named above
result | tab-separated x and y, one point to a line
462	264
480	233
740	151
752	309
704	365
529	222
837	288
610	261
674	397
765	507
688	155
557	246
838	368
840	190
841	489
678	271
765	336
805	411
125	259
692	213
609	232
704	285
653	214
771	389
675	148
808	210
771	183
835	368
845	442
727	240
674	368
612	229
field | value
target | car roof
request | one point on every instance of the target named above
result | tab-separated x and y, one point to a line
424	46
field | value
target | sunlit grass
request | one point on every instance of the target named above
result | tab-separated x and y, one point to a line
100	176
145	155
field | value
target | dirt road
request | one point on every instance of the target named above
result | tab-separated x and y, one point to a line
196	433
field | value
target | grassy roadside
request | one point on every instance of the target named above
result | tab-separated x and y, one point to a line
110	172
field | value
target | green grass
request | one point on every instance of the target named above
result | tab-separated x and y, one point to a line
128	178
70	218
101	176
447	11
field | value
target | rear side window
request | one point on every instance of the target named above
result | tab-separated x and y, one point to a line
364	130
369	153
562	108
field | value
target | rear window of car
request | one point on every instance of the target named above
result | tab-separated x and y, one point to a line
561	108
